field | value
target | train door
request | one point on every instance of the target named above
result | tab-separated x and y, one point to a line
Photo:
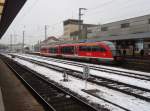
75	51
88	51
95	51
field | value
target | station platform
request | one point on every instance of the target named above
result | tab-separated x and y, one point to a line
138	59
144	58
13	94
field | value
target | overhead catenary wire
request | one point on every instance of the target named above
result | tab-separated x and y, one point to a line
27	11
103	8
52	27
36	1
58	23
98	14
91	11
123	18
100	5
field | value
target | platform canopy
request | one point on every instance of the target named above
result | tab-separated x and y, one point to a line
8	11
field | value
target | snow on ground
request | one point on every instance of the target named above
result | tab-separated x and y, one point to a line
93	65
4	54
120	78
102	66
77	85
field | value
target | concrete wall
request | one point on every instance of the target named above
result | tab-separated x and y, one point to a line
136	25
68	29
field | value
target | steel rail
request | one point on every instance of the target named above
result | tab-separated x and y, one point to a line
112	84
91	108
108	70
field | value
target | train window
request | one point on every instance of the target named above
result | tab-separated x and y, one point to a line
102	49
53	50
82	48
67	50
50	50
110	45
98	48
85	48
95	48
89	48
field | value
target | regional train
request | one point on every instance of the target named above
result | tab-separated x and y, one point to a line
103	51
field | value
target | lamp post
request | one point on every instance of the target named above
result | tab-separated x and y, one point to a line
80	22
23	34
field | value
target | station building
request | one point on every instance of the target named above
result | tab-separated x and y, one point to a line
71	30
49	41
132	35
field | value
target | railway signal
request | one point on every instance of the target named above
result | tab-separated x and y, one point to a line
80	24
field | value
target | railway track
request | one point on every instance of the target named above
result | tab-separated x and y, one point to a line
130	63
52	96
137	65
138	92
99	68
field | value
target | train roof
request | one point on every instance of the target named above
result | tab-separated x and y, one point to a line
87	43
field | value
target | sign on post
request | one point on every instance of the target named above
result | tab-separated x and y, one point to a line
86	72
65	76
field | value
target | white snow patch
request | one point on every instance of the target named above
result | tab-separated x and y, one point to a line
120	78
77	85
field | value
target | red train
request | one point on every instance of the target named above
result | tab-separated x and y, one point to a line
95	51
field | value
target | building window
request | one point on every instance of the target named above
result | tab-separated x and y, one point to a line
125	25
104	28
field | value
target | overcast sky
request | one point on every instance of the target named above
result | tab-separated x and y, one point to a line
37	13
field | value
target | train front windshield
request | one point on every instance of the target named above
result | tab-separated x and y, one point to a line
112	48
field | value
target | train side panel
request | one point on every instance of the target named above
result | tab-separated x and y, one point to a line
95	51
98	51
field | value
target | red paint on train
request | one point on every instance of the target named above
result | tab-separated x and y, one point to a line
101	51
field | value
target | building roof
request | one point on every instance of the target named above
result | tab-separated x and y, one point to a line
129	20
72	21
51	38
8	11
124	37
